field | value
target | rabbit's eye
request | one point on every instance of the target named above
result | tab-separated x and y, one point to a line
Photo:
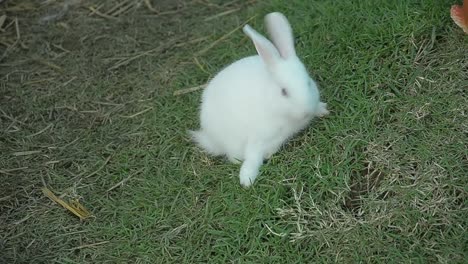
284	92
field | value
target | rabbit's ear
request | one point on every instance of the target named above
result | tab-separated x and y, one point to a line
265	48
281	33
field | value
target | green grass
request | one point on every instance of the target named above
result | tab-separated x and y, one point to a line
382	179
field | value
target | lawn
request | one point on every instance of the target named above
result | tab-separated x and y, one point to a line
88	110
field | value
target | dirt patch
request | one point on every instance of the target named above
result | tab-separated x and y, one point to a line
362	183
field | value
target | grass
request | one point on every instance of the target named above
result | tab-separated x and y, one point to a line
87	109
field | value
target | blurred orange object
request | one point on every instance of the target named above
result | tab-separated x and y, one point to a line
459	15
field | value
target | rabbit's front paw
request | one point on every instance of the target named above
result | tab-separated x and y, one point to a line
247	177
322	110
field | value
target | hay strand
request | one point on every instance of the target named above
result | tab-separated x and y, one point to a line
139	113
203	51
100	168
189	90
40	131
75	207
227	12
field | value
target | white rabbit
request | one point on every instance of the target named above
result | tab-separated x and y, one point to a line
254	105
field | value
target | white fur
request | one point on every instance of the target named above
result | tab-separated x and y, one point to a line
244	114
